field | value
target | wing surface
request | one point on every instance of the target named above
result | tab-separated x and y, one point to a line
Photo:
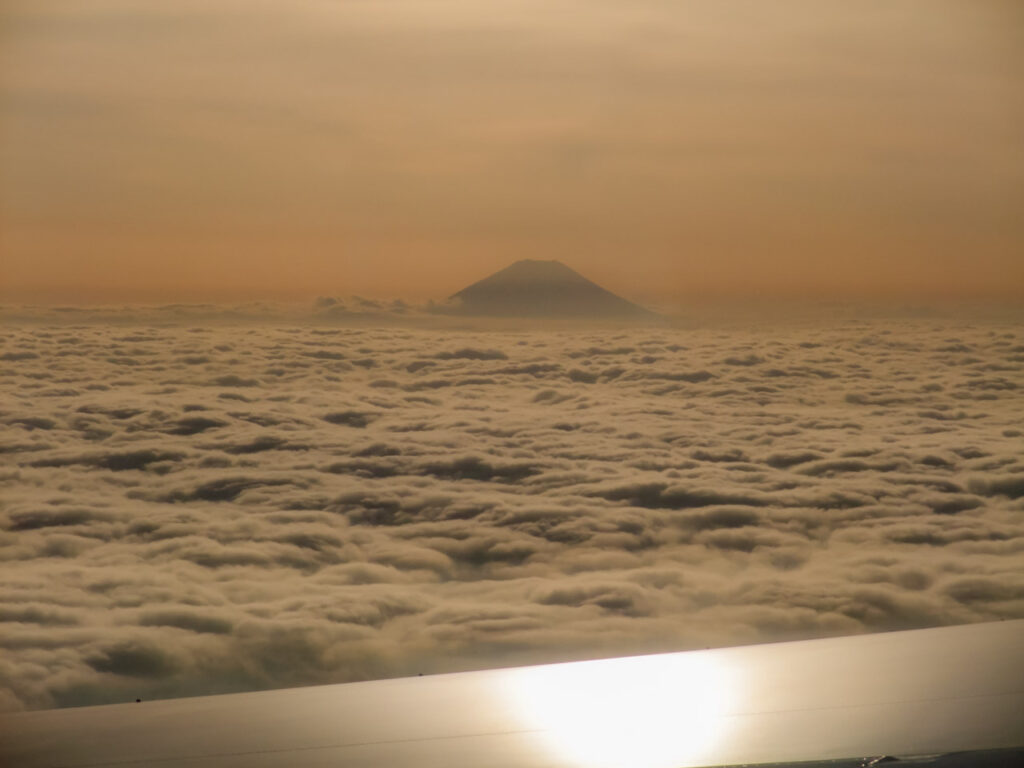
924	693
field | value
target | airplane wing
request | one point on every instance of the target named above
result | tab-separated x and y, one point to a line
938	697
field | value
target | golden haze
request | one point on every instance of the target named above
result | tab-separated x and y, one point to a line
224	150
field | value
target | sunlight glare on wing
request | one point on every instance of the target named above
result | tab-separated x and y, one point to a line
664	711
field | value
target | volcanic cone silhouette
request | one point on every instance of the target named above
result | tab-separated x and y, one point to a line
532	288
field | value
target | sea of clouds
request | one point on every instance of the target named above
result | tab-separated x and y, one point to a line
199	508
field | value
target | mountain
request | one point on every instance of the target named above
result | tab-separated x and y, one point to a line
532	288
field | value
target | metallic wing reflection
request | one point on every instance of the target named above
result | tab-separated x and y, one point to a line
905	693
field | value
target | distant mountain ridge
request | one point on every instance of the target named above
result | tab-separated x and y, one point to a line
534	288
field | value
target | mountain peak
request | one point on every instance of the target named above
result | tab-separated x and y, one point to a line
536	288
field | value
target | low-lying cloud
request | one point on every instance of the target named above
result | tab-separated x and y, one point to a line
195	509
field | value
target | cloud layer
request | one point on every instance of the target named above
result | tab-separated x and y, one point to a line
200	509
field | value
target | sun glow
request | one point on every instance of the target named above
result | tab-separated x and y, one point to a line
664	711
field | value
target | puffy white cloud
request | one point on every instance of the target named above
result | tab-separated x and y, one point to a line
192	508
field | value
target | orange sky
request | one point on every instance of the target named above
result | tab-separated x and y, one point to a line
221	149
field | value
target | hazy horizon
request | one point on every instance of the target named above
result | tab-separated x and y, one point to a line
219	150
